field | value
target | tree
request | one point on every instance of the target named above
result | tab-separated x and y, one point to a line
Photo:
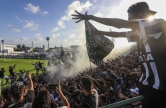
23	46
19	47
34	50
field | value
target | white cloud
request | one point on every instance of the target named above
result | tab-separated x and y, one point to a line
55	29
18	19
0	38
75	5
39	38
61	24
9	25
55	35
51	39
72	36
32	8
37	35
15	30
45	13
24	38
65	40
32	25
13	40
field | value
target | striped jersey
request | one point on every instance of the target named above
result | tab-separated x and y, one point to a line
151	42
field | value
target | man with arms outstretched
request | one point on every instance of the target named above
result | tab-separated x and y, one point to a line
151	41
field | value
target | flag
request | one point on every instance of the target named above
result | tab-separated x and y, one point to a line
98	46
112	38
62	52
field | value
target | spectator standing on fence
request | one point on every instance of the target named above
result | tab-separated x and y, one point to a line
40	65
36	65
12	75
2	71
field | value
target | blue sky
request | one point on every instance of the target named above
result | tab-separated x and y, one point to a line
24	21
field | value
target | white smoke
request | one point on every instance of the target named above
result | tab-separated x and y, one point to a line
82	62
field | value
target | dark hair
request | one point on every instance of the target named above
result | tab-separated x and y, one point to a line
86	83
42	100
16	89
1	100
103	97
6	94
118	81
110	91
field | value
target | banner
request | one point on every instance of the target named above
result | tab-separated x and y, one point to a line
98	46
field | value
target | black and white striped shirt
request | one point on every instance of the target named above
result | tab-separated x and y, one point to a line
151	42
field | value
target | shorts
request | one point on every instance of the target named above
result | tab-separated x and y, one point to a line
6	77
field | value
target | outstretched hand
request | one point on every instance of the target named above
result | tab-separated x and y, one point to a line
80	16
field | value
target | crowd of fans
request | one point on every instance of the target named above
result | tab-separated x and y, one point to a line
116	80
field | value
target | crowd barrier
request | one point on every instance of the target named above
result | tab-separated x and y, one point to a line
125	102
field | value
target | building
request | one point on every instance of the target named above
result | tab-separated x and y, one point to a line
7	49
27	49
40	49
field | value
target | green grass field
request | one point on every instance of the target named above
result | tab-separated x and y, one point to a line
21	64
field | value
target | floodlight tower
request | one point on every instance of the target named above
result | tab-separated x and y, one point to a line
47	38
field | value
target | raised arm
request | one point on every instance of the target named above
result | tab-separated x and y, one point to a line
115	22
30	82
110	34
63	98
14	66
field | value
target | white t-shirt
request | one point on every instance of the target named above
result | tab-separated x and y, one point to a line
63	107
96	96
51	97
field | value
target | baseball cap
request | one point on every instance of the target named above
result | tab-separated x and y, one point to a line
140	7
16	88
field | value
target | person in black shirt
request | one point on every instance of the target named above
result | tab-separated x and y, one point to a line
2	71
11	70
12	75
89	99
40	65
17	92
110	96
6	95
150	36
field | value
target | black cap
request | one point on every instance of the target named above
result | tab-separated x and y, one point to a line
140	7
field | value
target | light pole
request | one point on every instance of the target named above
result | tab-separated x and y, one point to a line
2	48
47	38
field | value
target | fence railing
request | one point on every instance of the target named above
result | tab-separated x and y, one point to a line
125	102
